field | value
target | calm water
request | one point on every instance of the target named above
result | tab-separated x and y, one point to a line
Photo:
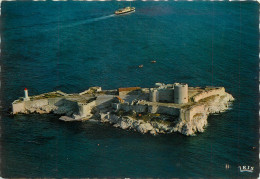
72	46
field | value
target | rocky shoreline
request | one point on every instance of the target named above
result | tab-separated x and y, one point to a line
189	128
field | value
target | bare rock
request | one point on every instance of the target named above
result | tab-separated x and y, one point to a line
144	128
153	132
66	118
116	125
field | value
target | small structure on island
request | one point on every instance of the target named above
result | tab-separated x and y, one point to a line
26	97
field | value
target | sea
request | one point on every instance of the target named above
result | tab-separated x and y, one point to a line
71	46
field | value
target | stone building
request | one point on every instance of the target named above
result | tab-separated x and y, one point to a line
170	93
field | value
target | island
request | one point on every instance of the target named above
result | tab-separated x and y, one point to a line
165	108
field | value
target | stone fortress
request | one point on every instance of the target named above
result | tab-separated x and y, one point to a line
165	108
171	93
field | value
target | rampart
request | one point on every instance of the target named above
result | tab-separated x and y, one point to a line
163	110
60	105
166	95
143	108
162	95
195	110
208	93
18	107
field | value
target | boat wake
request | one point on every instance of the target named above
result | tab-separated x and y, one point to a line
87	21
60	25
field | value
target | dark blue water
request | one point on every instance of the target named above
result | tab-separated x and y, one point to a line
72	46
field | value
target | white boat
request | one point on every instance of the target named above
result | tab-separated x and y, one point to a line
125	10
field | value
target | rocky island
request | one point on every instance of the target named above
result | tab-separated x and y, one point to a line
166	108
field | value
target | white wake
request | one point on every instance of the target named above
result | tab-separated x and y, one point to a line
87	21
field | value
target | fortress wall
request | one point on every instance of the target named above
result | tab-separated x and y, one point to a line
22	106
161	95
145	108
187	114
205	94
18	107
36	103
166	95
163	110
196	109
127	107
104	101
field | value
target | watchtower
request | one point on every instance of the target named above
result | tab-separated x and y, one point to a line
180	93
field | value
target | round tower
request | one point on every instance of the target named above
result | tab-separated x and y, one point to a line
180	93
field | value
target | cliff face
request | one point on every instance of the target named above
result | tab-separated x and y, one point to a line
127	122
194	119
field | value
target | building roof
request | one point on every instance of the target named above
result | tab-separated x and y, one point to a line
128	89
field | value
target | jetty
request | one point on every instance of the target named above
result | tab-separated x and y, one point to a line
165	108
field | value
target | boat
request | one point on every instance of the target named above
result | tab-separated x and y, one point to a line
125	10
153	61
141	66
